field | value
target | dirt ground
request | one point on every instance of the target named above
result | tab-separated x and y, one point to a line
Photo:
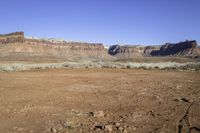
99	100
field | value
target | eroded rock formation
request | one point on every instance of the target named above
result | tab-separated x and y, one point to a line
186	49
68	48
12	38
61	48
49	47
126	51
151	50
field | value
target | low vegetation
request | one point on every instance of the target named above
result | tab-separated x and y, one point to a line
119	65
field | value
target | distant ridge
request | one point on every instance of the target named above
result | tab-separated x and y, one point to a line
33	46
185	49
15	44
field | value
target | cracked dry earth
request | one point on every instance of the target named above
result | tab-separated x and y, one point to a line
99	100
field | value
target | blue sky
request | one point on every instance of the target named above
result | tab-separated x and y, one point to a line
107	21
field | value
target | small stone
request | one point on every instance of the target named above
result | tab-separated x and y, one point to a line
53	130
152	113
158	97
117	124
129	127
108	128
60	128
179	86
120	128
181	99
125	131
98	127
185	99
65	124
79	114
20	129
134	128
75	111
98	114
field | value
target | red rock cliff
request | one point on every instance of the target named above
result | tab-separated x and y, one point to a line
12	38
68	48
16	44
126	51
186	49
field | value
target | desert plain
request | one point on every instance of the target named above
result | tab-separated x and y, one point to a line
99	100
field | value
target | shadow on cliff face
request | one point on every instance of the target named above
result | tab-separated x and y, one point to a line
113	50
16	46
187	48
182	49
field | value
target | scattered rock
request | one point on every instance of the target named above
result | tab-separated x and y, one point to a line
120	128
181	99
20	129
98	127
53	130
124	130
134	128
179	49
108	128
184	99
179	86
117	124
60	128
79	114
74	111
97	114
152	113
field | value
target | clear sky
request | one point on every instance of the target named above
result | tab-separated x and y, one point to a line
106	21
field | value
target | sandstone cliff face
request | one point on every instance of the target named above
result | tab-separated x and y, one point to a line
16	44
67	48
198	55
12	38
126	51
186	49
151	50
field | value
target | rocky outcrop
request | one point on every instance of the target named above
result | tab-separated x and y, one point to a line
61	48
126	51
12	38
17	45
186	49
65	48
151	50
199	50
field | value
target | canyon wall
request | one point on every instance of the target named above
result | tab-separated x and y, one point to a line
187	48
68	48
126	51
183	49
16	44
12	38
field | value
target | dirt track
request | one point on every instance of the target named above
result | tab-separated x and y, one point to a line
65	100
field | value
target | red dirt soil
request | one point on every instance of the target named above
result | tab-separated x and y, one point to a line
63	100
